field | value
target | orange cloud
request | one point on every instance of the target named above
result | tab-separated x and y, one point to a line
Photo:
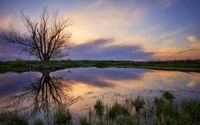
107	22
192	39
4	23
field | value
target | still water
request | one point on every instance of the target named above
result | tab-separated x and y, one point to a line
38	94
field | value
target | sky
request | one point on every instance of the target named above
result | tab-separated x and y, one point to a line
139	30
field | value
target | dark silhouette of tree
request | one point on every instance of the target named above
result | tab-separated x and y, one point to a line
44	95
45	39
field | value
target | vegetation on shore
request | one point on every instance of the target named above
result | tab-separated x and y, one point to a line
163	111
22	65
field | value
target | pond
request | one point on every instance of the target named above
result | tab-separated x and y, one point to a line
37	94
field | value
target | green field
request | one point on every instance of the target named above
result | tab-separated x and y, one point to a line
180	65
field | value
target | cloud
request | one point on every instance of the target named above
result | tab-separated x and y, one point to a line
4	23
192	39
109	20
130	22
99	49
194	47
167	3
10	51
187	50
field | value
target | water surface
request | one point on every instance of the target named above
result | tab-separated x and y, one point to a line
38	94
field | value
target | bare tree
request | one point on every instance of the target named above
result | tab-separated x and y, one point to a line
45	39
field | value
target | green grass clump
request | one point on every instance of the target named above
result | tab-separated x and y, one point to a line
62	117
127	120
138	103
168	95
99	108
12	118
102	122
38	122
166	111
84	121
191	110
116	110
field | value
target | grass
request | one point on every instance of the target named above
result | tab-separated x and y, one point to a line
62	117
127	120
84	121
138	103
168	95
116	110
164	111
13	118
38	122
180	65
99	108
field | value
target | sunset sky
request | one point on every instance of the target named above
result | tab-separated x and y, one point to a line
115	29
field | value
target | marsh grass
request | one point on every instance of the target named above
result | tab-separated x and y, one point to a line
190	110
38	122
127	120
116	110
168	95
138	103
134	112
62	117
84	121
12	118
99	108
164	111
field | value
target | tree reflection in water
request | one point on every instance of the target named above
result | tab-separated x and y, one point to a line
44	95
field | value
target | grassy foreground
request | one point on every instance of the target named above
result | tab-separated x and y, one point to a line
163	111
180	65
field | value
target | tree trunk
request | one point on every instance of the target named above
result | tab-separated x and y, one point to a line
45	64
46	74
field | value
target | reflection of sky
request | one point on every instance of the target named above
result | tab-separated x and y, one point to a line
93	83
108	79
11	83
126	80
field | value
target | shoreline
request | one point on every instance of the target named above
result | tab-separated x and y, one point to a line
179	65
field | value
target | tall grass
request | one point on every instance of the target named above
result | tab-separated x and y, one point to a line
12	118
62	117
164	111
38	122
133	112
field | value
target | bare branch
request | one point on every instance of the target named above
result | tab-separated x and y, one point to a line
44	39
